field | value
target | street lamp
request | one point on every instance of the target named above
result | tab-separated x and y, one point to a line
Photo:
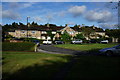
27	25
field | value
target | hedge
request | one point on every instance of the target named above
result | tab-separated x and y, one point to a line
19	46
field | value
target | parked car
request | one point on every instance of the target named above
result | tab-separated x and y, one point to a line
93	41
36	41
58	42
111	51
47	42
104	41
77	41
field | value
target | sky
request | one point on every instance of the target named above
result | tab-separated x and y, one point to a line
100	14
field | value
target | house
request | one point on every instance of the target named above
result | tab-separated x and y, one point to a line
40	32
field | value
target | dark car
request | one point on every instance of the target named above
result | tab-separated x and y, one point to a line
93	41
58	42
36	41
111	51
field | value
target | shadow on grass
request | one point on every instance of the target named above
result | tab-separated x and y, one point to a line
37	71
92	52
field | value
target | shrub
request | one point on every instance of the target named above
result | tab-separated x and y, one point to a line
24	46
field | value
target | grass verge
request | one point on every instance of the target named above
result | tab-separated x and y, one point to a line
32	66
85	47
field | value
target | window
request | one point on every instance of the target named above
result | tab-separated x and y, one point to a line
71	32
22	31
44	32
53	32
33	32
43	37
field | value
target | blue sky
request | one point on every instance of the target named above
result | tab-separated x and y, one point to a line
99	14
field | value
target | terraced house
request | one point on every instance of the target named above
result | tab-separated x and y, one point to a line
40	32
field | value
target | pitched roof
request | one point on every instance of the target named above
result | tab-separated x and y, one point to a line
40	28
54	28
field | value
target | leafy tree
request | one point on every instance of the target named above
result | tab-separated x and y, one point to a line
79	36
49	33
76	25
113	33
21	24
87	31
33	23
66	37
14	25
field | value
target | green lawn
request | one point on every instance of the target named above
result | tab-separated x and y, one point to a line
32	66
43	66
85	47
95	68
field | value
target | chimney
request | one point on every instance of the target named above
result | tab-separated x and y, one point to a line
28	24
79	26
48	25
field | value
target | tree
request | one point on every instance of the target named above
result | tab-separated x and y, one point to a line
113	33
21	24
66	37
49	33
87	31
14	25
79	36
33	23
76	25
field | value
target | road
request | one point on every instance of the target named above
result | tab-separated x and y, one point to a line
57	50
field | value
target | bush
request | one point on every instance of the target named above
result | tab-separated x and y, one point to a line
24	46
29	39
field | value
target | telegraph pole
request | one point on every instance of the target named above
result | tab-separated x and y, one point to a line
27	25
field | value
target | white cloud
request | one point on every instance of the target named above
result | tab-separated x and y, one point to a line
38	19
16	5
77	10
49	17
9	14
25	5
108	25
62	13
99	16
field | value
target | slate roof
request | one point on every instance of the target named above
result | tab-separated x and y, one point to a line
54	28
40	28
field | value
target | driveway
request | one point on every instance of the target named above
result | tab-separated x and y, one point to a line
57	50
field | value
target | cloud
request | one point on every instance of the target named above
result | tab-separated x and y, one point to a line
25	5
99	16
62	13
37	18
16	5
49	17
9	14
77	10
13	5
12	11
108	25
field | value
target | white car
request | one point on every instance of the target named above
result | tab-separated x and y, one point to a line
77	41
111	51
104	41
47	42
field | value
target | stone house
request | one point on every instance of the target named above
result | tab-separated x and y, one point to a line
40	32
